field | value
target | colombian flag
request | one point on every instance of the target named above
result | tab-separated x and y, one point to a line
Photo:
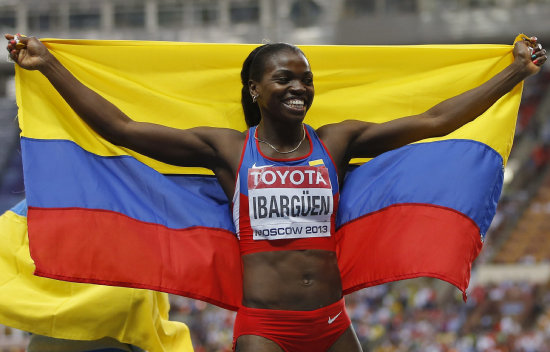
75	311
103	214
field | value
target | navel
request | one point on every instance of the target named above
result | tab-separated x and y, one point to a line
307	280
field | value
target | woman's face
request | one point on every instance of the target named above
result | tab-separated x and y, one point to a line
286	88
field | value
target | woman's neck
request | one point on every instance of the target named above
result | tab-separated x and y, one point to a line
281	136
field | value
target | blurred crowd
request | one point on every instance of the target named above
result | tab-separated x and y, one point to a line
415	315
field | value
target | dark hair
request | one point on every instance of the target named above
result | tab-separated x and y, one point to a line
253	68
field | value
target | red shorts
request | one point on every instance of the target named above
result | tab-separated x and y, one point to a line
294	331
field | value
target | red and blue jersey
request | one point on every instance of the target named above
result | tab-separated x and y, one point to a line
285	204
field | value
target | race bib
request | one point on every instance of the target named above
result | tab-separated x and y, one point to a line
290	202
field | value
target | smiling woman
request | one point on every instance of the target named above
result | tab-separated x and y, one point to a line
283	177
283	94
269	59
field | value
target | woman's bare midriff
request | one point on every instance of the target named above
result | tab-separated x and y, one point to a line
291	280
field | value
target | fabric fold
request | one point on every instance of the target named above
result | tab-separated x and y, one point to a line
75	311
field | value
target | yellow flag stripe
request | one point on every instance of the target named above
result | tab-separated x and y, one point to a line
185	85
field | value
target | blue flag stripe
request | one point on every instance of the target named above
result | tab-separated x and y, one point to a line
463	175
64	175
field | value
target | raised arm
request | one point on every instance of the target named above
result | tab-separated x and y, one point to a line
351	139
202	146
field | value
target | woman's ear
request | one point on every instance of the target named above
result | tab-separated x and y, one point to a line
253	88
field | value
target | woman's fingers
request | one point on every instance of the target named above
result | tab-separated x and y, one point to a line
538	55
536	52
20	44
15	43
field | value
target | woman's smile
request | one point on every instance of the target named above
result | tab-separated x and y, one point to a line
295	104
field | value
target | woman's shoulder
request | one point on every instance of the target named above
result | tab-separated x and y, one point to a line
222	132
227	139
341	129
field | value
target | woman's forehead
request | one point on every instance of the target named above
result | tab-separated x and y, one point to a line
286	60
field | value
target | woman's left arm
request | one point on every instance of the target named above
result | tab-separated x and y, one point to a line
363	139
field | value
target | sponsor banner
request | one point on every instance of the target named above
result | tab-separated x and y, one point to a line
288	177
290	202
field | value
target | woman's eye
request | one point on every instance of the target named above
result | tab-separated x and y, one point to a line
282	80
308	81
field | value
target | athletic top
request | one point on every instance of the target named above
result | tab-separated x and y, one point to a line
285	204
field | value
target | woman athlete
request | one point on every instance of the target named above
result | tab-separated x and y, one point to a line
292	294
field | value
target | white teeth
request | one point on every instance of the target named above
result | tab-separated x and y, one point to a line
297	103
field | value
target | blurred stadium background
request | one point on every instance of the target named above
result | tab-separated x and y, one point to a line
509	297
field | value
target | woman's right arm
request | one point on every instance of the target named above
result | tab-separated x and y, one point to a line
201	146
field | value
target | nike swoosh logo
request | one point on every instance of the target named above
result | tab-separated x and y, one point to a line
331	320
259	167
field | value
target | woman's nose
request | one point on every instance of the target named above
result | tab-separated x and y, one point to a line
297	86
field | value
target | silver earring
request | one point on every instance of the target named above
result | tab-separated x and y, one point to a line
254	97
